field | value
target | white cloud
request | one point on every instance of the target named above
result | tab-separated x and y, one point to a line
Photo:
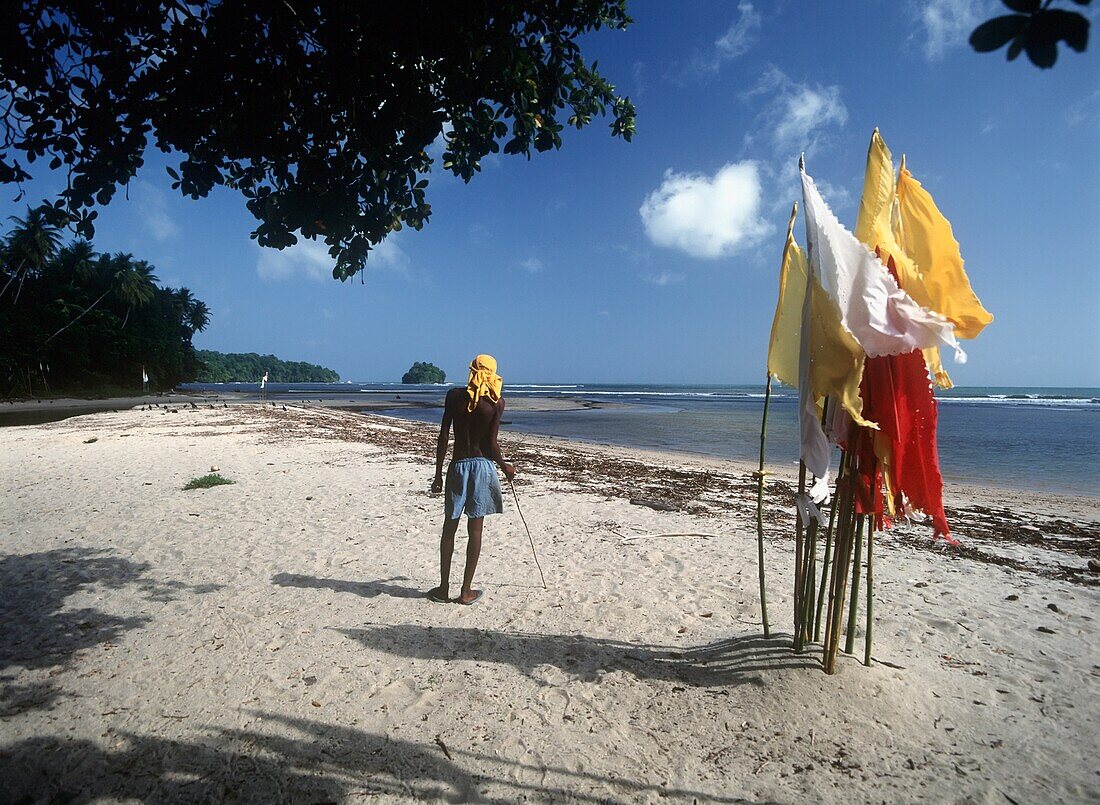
735	42
707	216
310	258
797	113
665	278
532	265
1085	112
741	35
152	209
947	23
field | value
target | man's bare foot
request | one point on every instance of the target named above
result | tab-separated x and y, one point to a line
439	595
469	597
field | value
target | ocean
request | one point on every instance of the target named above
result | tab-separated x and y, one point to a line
1026	438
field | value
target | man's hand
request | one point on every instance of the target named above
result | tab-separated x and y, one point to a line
509	470
437	485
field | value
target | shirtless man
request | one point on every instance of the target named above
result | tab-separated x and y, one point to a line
472	482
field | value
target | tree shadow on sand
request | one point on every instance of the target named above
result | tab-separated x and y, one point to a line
288	759
366	589
734	661
37	629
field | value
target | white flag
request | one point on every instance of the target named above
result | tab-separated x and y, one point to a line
884	319
263	380
144	377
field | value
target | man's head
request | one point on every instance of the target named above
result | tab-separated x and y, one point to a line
484	380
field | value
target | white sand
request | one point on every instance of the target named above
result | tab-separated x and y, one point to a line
267	641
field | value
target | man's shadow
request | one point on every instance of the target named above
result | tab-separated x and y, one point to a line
365	589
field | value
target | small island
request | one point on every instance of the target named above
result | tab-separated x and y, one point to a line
422	372
234	367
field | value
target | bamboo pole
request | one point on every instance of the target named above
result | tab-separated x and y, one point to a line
798	556
839	549
760	510
842	559
825	562
809	562
853	606
841	512
870	592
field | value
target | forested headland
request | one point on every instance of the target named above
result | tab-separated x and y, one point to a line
75	321
248	367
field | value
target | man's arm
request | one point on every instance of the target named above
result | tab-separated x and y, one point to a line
494	448
441	444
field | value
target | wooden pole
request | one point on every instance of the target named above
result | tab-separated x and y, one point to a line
825	561
760	510
870	592
853	606
842	559
798	556
809	561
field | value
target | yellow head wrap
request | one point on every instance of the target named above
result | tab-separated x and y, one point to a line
484	380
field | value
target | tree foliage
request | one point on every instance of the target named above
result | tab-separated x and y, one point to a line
320	113
248	367
1034	28
72	319
422	372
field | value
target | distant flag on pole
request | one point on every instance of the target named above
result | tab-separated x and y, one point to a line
263	380
144	376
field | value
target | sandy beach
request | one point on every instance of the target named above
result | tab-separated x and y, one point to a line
268	640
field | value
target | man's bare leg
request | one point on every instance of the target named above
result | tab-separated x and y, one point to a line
446	551
473	551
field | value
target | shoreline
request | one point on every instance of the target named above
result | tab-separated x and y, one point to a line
271	636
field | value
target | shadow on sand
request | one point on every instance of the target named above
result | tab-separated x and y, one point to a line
366	589
37	628
307	761
730	662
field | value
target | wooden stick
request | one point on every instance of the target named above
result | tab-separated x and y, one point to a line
760	510
798	556
842	559
825	562
809	562
870	593
853	606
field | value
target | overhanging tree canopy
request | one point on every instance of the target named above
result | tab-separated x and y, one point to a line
319	112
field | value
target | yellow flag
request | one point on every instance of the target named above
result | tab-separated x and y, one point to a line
836	358
926	236
879	226
787	324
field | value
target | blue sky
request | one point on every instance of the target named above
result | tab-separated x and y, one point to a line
656	260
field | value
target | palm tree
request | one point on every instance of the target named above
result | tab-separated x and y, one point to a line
32	243
198	316
131	282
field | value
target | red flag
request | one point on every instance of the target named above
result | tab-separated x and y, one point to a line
897	394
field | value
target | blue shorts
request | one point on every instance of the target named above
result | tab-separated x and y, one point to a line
473	486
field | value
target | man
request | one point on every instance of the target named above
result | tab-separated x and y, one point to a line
472	482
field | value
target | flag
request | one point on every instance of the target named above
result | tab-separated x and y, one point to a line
835	359
263	380
902	455
902	221
144	377
786	335
927	237
884	319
